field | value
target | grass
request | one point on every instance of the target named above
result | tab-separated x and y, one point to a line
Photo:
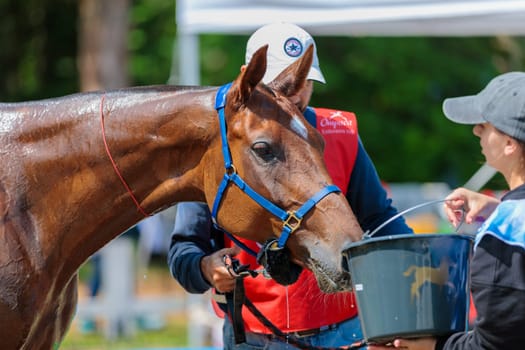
174	334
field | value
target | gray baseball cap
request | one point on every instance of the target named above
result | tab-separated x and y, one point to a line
501	103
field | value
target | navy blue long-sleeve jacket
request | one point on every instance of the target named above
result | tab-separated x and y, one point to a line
194	235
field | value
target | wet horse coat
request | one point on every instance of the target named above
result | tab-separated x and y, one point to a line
61	199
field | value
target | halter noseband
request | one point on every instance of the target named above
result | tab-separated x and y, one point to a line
291	219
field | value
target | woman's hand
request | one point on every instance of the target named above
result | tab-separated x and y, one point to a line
426	343
476	206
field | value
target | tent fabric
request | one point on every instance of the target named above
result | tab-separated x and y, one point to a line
343	18
356	17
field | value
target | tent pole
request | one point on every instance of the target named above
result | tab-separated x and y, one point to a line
189	63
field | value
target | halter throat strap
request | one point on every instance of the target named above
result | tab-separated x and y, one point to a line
291	219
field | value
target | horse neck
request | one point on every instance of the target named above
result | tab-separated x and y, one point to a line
165	138
157	138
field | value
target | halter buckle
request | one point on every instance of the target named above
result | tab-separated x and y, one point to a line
292	221
231	170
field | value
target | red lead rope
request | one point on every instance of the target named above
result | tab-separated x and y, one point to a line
115	167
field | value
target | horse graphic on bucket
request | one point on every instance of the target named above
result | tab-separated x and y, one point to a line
434	275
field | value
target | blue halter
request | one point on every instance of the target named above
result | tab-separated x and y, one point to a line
291	219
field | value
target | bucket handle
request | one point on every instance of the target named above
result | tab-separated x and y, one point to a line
369	235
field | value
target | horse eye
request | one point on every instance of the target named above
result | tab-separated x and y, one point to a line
263	151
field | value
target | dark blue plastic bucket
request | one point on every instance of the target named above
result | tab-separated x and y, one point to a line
411	285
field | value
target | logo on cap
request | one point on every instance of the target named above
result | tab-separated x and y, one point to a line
293	47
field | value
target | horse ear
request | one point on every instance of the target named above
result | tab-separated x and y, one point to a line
250	77
292	80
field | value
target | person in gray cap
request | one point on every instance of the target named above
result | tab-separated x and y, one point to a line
300	312
498	264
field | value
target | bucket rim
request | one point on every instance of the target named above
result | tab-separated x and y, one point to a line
407	236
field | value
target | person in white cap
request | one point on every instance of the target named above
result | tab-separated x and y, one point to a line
300	311
498	264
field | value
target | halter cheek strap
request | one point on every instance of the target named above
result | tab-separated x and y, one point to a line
291	219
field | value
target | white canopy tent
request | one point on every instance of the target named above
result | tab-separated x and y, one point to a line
342	18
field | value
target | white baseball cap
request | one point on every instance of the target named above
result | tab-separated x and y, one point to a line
286	43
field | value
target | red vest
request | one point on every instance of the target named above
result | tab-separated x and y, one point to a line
303	305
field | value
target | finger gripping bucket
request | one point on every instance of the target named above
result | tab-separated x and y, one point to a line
411	285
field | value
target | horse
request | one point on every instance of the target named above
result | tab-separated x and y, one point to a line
78	170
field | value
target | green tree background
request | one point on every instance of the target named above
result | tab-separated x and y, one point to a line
394	84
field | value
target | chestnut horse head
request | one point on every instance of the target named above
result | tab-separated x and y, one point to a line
79	170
